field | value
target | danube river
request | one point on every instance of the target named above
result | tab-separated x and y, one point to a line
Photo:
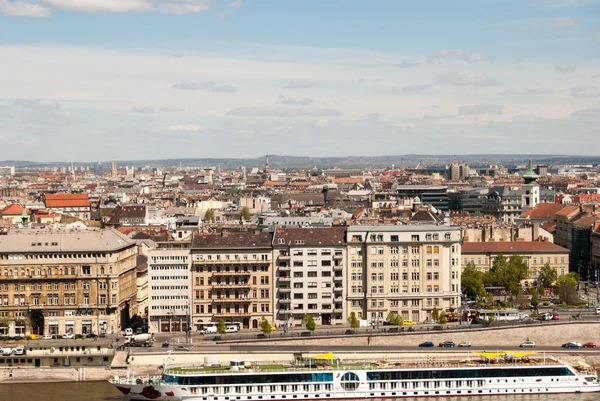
102	391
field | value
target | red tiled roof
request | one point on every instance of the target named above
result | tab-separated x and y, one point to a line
544	211
512	247
67	200
324	236
12	210
567	210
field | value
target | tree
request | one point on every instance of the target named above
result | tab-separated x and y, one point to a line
507	273
442	319
265	326
209	216
244	214
221	328
534	300
309	322
566	287
548	276
471	281
435	314
353	321
394	319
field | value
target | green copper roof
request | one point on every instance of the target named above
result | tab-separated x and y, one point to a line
530	176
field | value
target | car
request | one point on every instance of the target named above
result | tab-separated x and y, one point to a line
447	344
181	348
465	344
528	344
429	321
407	322
47	337
306	334
350	332
589	345
68	336
19	350
426	344
572	345
90	335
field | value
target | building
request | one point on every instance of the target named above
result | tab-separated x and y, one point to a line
535	254
468	200
57	283
232	278
434	195
458	171
127	215
169	286
76	205
12	214
530	197
309	275
407	269
506	204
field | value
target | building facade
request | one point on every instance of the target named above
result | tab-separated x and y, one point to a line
309	275
232	278
408	270
61	283
76	205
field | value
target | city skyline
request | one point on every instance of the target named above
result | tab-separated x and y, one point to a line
151	79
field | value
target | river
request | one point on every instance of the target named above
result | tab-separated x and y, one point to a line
103	391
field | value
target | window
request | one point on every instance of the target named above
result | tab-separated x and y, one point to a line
86	270
414	238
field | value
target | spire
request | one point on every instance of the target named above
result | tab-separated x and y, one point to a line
530	176
267	165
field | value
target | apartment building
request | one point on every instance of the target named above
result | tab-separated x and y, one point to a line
309	275
169	286
232	278
60	283
535	254
408	270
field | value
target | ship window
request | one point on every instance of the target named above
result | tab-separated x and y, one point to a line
350	381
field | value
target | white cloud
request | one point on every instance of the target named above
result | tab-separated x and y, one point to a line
405	126
466	78
21	8
100	6
29	142
224	88
182	128
407	64
169	109
142	110
526	91
322	122
299	101
415	88
235	4
261	111
457	54
190	85
564	68
38	105
481	108
564	22
442	116
300	85
585	92
181	7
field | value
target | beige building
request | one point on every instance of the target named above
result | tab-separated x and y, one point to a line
232	278
58	283
535	253
408	270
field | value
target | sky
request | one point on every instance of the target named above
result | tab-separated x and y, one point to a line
93	80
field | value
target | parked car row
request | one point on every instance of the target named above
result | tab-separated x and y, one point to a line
18	350
576	345
525	344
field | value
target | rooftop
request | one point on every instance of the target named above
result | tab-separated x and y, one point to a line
512	247
311	236
67	200
232	240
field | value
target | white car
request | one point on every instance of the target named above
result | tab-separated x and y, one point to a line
20	350
47	337
465	344
68	336
528	344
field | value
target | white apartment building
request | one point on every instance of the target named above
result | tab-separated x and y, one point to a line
169	286
309	275
407	269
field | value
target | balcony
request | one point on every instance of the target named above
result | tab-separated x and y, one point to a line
338	268
285	268
284	289
338	308
285	300
232	262
338	278
231	300
231	285
338	256
283	256
231	273
232	314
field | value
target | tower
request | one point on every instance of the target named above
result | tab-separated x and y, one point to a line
267	170
113	172
531	189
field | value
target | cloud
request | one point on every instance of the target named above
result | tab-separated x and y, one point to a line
596	76
300	85
290	100
236	4
526	91
261	111
564	22
585	92
189	85
416	88
481	108
564	68
100	6
405	126
169	109
224	88
142	110
29	142
43	112
456	54
21	8
182	128
466	78
434	117
178	55
181	7
322	122
407	64
37	105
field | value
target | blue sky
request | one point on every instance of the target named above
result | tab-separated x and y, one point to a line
194	78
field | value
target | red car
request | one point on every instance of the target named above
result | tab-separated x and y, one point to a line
589	345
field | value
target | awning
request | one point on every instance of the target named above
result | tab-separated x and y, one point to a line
53	323
70	322
516	354
328	356
86	322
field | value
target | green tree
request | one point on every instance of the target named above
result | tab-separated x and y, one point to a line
508	273
566	288
353	321
442	319
471	281
435	314
394	319
244	214
534	300
548	276
309	322
221	328
265	326
209	216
